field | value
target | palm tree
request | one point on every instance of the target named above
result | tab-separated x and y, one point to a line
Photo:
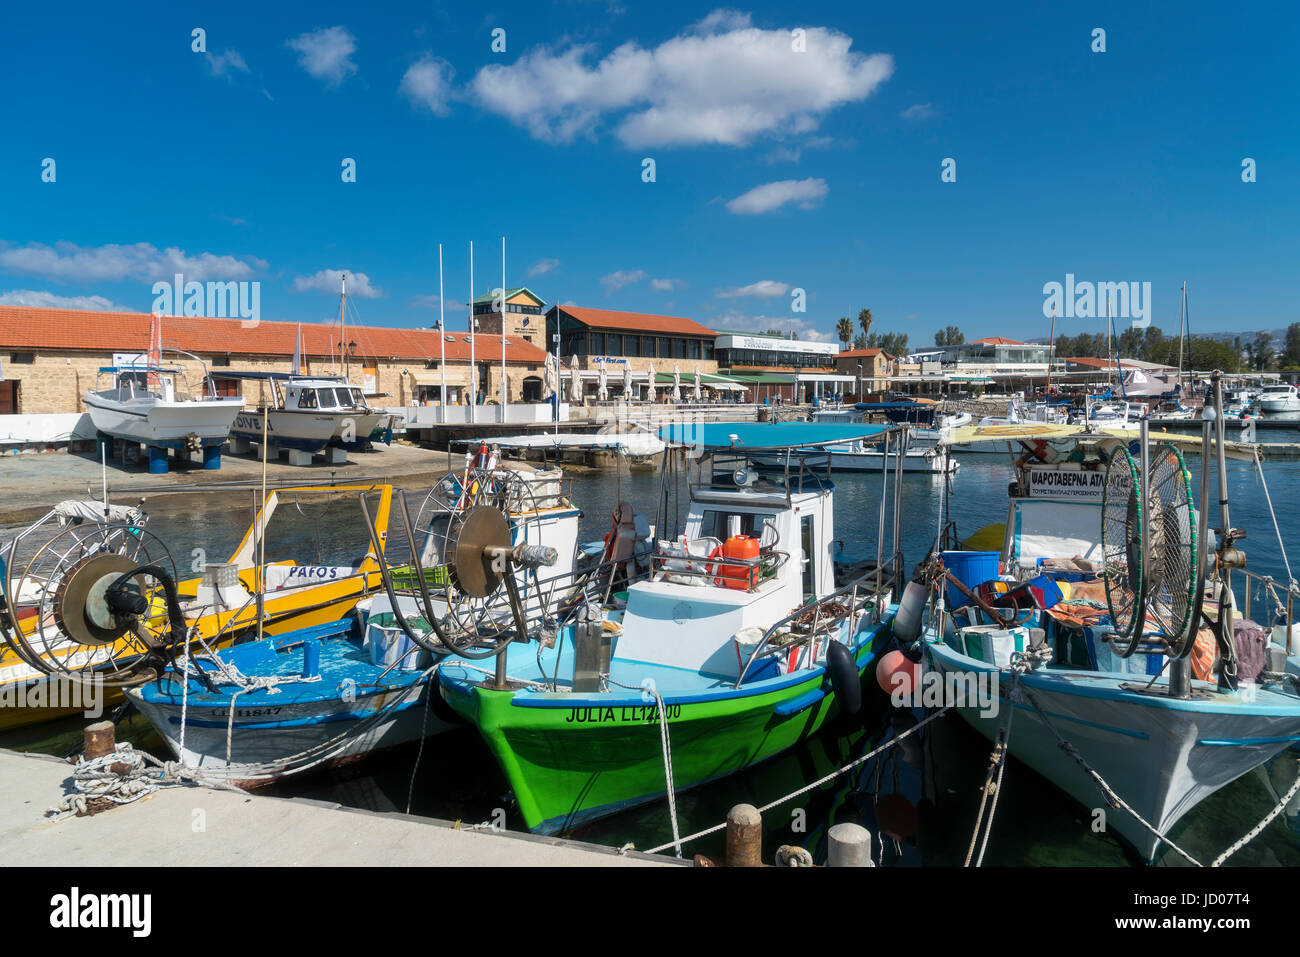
844	329
864	321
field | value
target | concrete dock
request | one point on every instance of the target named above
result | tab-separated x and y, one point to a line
200	826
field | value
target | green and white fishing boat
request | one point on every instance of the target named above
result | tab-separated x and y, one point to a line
738	645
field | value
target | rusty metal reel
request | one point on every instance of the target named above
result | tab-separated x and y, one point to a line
474	570
80	607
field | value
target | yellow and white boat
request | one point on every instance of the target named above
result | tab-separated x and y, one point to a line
64	654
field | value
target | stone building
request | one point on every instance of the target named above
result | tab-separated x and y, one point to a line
523	315
49	358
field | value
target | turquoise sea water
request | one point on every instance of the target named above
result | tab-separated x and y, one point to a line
1037	824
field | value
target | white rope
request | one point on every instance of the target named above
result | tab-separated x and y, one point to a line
1259	467
1255	831
815	784
124	776
667	747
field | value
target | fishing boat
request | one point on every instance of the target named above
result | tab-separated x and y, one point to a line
737	647
1103	625
340	691
309	414
61	635
151	404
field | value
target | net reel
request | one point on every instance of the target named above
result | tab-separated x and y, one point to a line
85	605
1151	574
476	551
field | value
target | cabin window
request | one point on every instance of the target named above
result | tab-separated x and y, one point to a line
722	525
807	559
307	399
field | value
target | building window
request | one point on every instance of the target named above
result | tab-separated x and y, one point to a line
695	349
679	348
708	349
220	361
596	341
614	344
22	358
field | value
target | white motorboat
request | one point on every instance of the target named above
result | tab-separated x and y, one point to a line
151	404
310	413
925	453
1279	399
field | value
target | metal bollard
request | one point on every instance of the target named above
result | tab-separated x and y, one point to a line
99	739
848	845
744	836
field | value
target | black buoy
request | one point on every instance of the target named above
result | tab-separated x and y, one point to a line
844	677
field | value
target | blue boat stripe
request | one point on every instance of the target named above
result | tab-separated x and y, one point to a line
1245	742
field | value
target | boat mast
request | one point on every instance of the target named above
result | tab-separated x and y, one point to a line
442	338
1051	348
505	401
473	396
1182	319
343	324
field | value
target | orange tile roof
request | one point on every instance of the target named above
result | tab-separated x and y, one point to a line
998	341
42	329
637	321
858	353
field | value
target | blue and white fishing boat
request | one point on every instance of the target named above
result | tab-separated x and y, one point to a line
340	691
1121	640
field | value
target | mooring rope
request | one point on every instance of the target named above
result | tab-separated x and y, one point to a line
667	748
815	784
1255	831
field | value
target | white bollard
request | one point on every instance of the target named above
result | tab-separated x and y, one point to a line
849	845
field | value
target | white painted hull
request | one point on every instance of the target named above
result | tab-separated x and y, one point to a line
329	725
1285	404
304	431
151	420
1161	760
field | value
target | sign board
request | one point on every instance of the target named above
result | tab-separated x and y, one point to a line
772	344
1070	483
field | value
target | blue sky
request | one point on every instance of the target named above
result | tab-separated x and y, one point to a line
1115	166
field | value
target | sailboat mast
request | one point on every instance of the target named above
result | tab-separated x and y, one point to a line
505	401
1051	349
473	391
442	338
343	325
1182	323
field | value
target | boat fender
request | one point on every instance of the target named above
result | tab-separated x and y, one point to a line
844	677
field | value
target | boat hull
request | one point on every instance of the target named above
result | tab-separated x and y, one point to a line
1161	757
163	424
572	758
303	431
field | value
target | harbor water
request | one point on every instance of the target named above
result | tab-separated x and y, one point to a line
922	797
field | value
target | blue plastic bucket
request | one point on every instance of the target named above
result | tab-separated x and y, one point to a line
971	569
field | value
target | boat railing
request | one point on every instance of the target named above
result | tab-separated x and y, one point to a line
819	618
681	566
1270	587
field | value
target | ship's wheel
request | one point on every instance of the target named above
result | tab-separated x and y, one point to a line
64	605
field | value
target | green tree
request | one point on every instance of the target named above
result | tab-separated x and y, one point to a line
864	321
1291	346
844	329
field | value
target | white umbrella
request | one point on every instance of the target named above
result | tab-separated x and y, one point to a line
677	384
552	375
627	383
602	390
650	374
575	381
698	396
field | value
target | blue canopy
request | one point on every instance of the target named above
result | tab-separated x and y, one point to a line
754	436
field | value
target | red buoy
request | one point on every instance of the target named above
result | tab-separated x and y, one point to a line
897	672
897	816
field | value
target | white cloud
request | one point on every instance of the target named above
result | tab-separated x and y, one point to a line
450	307
734	321
666	285
222	63
616	280
326	53
33	297
763	289
763	199
542	267
328	281
68	262
427	84
721	81
918	111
